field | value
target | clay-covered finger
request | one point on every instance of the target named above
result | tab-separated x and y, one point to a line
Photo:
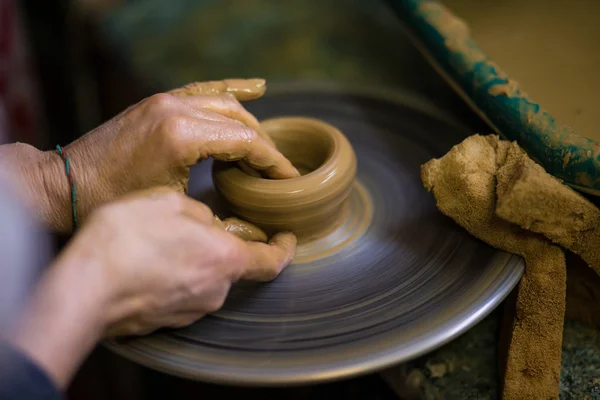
255	151
263	157
268	260
229	140
229	106
224	104
242	89
244	230
248	169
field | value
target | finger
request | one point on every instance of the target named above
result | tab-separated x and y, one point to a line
182	319
244	230
224	139
134	328
242	89
172	200
229	106
196	211
241	143
248	169
224	104
225	101
268	260
156	193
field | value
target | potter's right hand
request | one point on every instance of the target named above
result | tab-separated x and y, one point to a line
164	261
152	259
155	142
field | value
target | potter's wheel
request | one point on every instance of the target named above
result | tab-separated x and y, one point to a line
409	281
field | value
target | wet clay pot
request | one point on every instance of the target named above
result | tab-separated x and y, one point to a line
311	205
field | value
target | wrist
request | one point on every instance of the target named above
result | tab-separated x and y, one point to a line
40	178
54	191
64	319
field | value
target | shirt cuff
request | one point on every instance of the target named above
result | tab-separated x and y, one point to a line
21	378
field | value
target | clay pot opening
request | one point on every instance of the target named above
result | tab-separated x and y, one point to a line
311	205
307	146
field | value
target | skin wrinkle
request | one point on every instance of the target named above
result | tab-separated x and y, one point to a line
242	90
225	104
145	255
152	143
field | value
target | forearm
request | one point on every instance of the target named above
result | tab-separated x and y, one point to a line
41	180
64	319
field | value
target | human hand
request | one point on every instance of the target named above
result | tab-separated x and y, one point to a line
166	260
156	141
152	259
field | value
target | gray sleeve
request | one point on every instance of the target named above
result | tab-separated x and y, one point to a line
22	379
24	251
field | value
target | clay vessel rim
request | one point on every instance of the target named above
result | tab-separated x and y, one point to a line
327	165
338	142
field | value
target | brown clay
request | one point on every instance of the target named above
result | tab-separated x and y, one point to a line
311	205
535	200
242	90
242	229
464	183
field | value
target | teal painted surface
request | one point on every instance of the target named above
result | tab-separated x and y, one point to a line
563	153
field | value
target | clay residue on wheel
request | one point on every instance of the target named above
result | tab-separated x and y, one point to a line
354	222
312	205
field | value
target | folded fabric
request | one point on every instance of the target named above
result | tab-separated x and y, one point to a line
535	200
464	183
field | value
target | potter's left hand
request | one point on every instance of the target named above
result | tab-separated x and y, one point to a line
152	143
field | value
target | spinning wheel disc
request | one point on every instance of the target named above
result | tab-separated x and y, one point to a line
402	282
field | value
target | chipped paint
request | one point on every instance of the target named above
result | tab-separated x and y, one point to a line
513	114
508	89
